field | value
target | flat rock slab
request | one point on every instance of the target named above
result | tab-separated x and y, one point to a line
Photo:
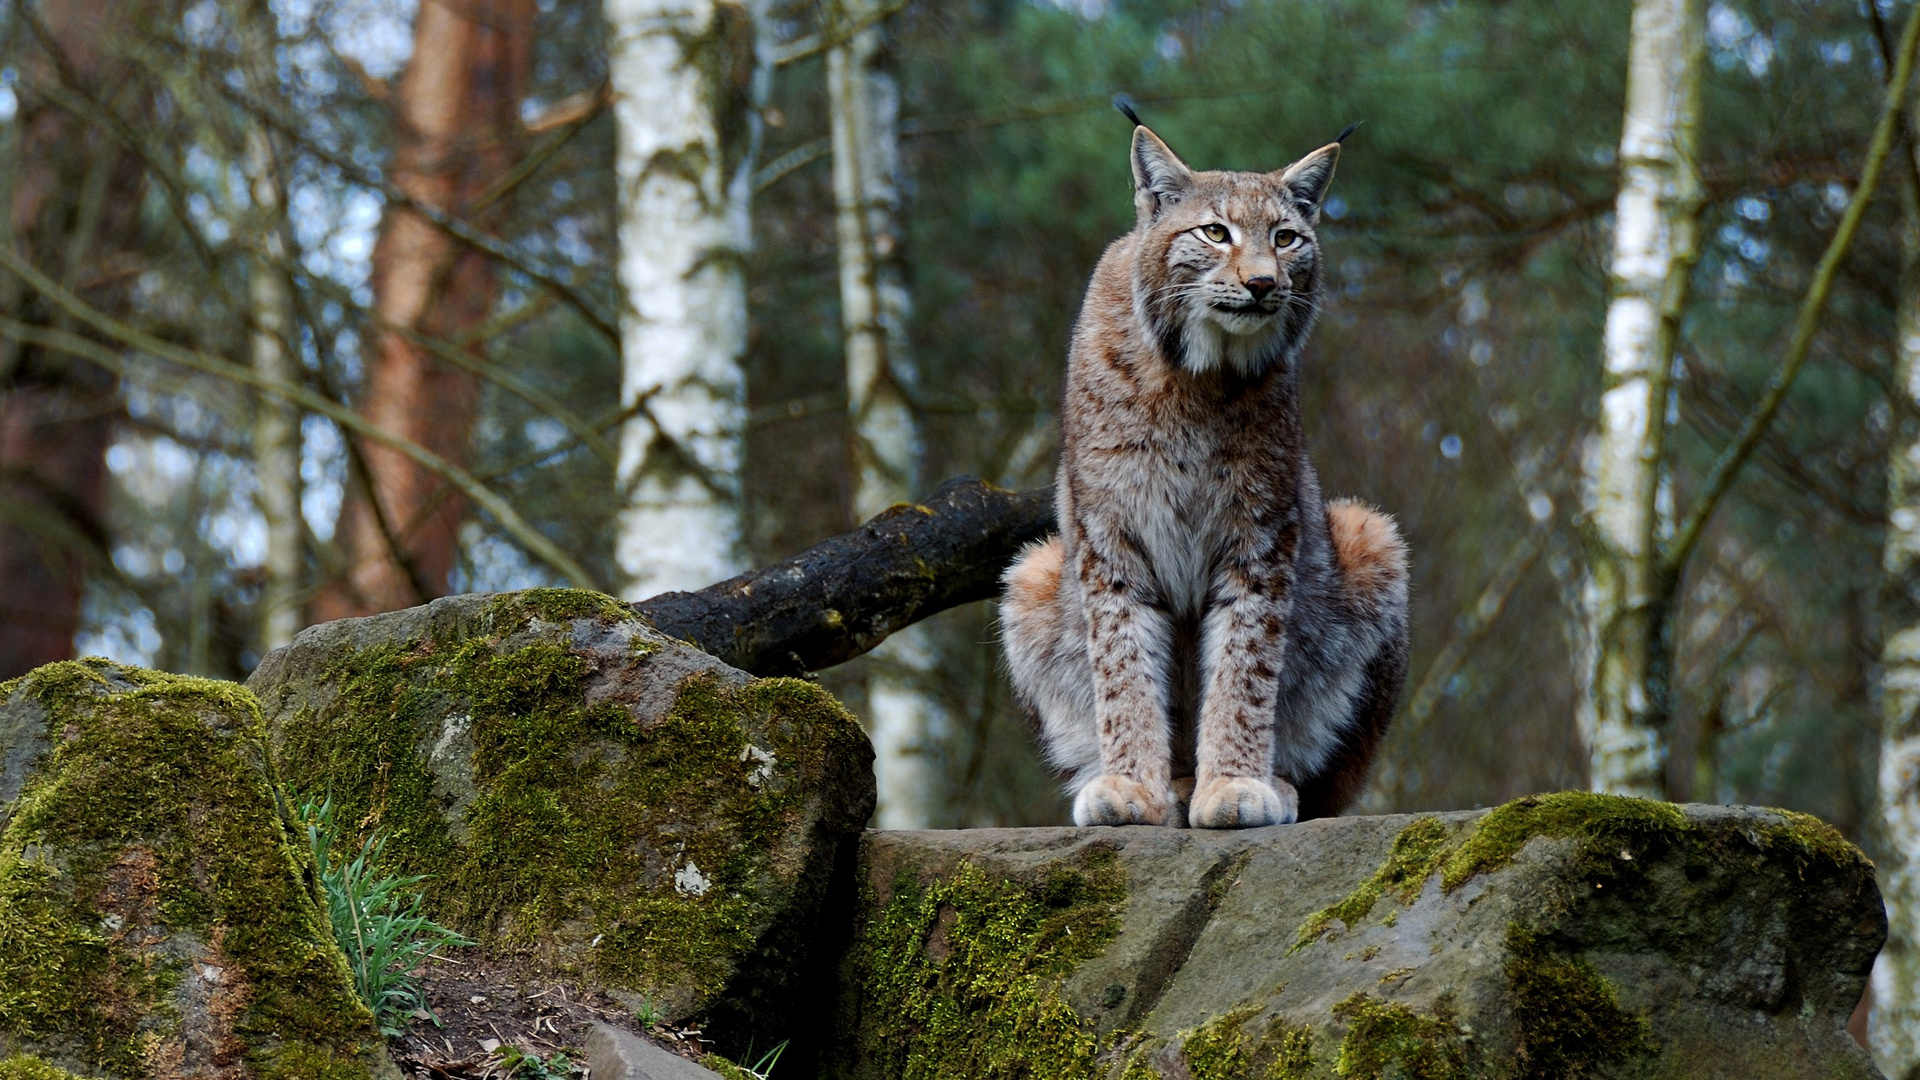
585	792
156	916
1569	935
621	1055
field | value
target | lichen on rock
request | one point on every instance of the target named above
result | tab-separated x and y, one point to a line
156	917
583	791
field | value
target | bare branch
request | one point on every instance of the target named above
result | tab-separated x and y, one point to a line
1727	468
510	520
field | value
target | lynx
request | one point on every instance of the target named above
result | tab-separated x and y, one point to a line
1206	641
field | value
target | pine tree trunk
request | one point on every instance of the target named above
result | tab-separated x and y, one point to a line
1628	599
1895	1032
74	204
864	102
456	113
688	80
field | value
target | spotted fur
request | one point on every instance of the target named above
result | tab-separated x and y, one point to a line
1206	640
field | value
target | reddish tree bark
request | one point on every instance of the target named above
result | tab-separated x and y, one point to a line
74	212
456	116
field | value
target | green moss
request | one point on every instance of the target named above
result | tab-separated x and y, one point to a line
1221	1049
24	1067
1568	1017
960	978
1417	853
1292	1051
559	605
1388	1041
1599	822
577	816
727	1069
152	838
1218	1049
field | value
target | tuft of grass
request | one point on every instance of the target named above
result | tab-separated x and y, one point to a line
759	1070
376	920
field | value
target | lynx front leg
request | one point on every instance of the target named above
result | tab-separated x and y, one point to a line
1128	642
1244	638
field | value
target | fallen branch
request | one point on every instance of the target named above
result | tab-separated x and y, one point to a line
843	596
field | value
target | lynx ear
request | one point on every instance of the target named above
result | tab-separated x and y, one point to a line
1307	180
1159	177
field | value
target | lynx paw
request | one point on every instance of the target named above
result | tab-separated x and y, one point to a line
1243	802
1120	800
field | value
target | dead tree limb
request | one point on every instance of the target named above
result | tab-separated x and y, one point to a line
843	596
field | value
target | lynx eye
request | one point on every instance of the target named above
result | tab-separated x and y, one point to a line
1285	238
1216	233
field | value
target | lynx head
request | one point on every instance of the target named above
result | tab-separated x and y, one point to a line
1227	266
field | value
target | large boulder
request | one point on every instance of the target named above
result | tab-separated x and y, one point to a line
1562	936
587	794
157	913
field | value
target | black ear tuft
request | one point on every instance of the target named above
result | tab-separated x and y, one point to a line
1348	130
1125	105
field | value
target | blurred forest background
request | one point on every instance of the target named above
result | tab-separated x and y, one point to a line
239	228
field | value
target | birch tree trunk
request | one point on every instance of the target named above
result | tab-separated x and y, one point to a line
276	423
457	118
688	80
1895	1030
864	102
1628	605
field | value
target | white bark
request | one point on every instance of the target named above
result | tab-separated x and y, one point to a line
864	106
688	79
1895	1028
276	423
1653	252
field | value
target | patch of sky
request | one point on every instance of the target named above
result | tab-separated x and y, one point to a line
323	474
1732	41
491	564
378	34
571	242
1086	9
152	469
201	24
1752	208
544	433
117	627
1450	447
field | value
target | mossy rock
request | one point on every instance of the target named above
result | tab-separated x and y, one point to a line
587	793
157	914
1560	936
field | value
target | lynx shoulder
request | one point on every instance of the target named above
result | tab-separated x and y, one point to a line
1207	640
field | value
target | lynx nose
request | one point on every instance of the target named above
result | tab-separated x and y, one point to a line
1259	287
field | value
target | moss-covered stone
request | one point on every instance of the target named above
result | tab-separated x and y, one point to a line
1567	1014
156	916
1389	1041
1559	937
585	791
1417	852
960	976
